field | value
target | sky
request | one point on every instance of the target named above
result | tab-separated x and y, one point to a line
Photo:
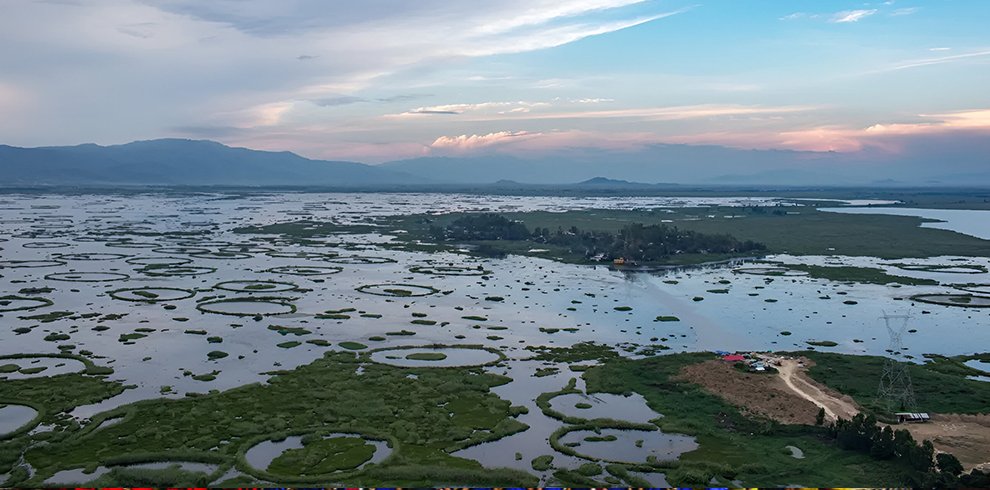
381	80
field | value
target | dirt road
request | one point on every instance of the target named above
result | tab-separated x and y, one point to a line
795	379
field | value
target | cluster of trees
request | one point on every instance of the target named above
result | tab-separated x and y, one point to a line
487	226
639	242
862	434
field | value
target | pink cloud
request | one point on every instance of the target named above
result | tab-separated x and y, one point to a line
475	141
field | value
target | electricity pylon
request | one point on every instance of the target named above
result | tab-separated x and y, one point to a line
895	388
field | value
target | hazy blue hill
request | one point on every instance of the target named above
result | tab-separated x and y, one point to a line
605	182
656	163
182	162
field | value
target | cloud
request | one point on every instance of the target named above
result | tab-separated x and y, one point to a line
141	30
935	61
888	137
403	97
237	62
338	101
671	113
904	11
851	16
499	107
475	141
424	110
593	101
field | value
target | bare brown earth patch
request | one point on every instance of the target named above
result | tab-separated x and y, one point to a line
761	394
791	397
967	437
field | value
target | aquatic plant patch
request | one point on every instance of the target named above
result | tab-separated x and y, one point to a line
87	276
249	306
361	260
449	270
95	256
302	270
23	303
398	290
151	294
159	261
256	286
948	299
177	271
27	264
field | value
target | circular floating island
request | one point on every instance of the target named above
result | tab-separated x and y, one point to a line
256	286
299	255
437	356
175	271
949	299
181	250
316	455
360	260
623	446
25	264
38	366
46	245
95	256
632	408
132	245
943	268
16	418
221	255
247	249
159	261
449	270
255	306
770	271
23	303
152	294
87	276
302	270
398	290
974	288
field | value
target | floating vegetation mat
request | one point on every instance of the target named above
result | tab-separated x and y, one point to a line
449	270
360	260
948	299
256	286
974	288
398	290
87	276
152	294
252	306
943	268
22	303
300	255
437	356
46	245
302	270
96	256
181	250
159	261
165	271
18	264
770	271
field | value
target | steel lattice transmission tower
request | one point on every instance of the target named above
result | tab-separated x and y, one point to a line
895	388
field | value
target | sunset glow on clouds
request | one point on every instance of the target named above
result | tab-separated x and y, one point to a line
383	79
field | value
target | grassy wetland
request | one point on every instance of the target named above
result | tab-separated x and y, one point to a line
207	339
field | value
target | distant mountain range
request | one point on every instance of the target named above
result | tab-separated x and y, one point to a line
182	162
198	162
